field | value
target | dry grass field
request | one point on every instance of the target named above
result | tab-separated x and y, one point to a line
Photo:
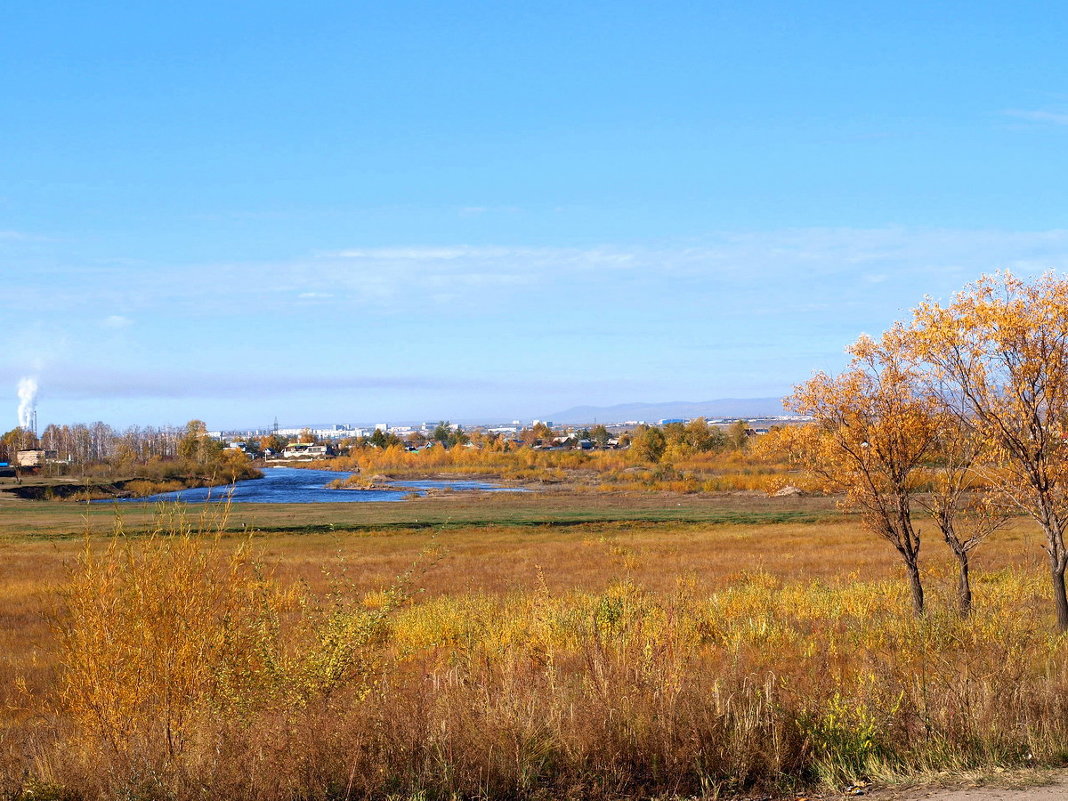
462	648
65	519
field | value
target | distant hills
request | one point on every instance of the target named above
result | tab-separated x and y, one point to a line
651	412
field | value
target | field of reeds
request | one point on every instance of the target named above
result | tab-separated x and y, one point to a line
627	659
678	470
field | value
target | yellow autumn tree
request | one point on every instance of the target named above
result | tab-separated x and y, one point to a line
872	432
999	354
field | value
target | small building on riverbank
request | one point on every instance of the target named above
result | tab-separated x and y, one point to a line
306	452
35	458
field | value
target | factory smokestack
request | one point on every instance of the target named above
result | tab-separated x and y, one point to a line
27	391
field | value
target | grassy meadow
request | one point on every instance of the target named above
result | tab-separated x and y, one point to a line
567	646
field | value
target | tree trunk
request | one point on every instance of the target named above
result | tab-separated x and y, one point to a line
1058	560
964	586
1059	596
917	589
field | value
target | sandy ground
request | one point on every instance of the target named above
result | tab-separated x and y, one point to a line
1009	790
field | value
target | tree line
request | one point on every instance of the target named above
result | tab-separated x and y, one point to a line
140	450
95	443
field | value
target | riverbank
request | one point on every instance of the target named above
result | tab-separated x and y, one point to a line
577	470
289	485
80	490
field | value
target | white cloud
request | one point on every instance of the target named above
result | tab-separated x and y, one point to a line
116	321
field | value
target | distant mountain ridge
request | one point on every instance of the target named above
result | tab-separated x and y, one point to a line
651	412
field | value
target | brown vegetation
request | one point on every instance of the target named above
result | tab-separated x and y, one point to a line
678	469
606	660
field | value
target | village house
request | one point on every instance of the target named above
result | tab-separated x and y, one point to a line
35	458
307	452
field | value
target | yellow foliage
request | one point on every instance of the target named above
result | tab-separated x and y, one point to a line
681	468
188	671
158	634
999	354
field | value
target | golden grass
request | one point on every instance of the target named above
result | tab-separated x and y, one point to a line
600	660
680	470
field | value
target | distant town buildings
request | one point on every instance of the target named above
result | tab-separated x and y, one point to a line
326	439
326	432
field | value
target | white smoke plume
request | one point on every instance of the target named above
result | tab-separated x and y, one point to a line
27	401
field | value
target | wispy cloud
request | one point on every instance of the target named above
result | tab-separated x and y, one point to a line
73	382
1048	117
479	211
770	270
418	253
517	257
415	324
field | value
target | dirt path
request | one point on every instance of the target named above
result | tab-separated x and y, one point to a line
1057	790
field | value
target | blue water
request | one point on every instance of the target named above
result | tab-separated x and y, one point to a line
293	485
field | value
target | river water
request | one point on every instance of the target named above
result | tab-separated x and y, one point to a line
293	485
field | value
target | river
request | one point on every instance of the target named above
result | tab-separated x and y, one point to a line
294	485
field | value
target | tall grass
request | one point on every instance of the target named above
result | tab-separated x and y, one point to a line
185	669
163	639
680	470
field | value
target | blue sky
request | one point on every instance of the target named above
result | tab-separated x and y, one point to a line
332	212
